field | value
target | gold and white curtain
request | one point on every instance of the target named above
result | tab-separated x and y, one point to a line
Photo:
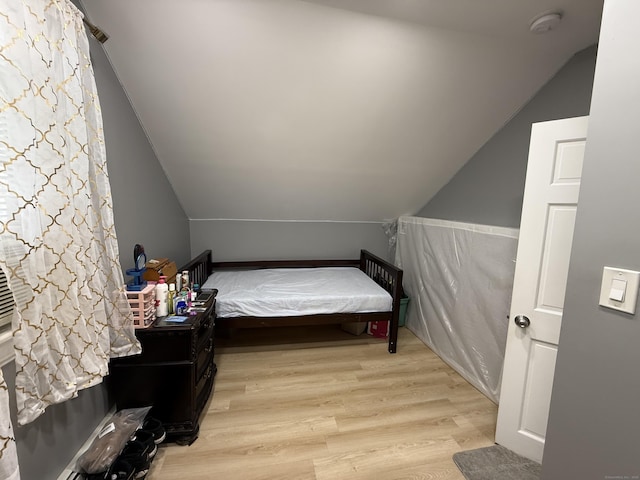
9	469
58	244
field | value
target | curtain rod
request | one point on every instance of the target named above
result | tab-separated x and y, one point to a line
96	32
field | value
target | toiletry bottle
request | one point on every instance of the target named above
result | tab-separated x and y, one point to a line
171	298
161	291
185	293
181	306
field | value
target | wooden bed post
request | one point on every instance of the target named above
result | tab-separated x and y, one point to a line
395	318
388	277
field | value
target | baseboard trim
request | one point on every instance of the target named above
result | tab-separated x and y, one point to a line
69	472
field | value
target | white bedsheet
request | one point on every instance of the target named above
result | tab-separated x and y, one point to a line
285	292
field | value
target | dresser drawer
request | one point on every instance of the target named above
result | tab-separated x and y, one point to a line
205	328
205	382
204	357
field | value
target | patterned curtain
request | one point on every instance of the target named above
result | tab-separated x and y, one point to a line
58	244
8	458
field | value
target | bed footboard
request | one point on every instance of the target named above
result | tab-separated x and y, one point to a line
389	277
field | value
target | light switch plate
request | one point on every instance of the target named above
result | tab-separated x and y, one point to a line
632	279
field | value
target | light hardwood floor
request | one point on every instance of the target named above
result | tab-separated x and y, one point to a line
338	407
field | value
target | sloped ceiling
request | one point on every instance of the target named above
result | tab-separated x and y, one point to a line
339	110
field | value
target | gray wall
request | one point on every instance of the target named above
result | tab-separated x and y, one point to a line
46	446
594	424
266	240
146	211
488	189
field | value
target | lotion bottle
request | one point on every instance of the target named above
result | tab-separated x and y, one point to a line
162	290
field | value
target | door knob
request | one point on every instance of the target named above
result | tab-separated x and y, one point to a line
522	321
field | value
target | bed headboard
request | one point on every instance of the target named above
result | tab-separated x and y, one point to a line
199	268
257	264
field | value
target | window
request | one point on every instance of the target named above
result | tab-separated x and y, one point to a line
12	252
21	292
6	303
6	311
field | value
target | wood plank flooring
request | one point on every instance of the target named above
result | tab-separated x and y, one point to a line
318	403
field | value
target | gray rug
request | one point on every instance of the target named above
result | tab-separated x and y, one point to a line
495	463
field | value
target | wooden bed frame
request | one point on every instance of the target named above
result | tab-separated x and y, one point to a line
382	272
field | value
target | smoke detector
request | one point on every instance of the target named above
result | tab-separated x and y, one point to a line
545	22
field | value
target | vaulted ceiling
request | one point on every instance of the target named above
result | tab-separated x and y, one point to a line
345	110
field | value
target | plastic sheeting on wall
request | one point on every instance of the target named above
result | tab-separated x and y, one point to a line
460	277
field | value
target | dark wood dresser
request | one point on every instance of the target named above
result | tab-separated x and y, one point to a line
174	374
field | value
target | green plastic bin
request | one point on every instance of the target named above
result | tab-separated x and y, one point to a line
404	302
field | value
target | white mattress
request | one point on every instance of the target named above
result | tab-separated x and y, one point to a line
285	292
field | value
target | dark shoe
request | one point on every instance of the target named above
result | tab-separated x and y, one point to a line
155	427
137	454
146	437
95	476
121	470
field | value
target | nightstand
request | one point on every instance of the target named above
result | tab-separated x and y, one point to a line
174	374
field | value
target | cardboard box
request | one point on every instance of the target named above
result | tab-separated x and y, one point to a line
160	266
355	328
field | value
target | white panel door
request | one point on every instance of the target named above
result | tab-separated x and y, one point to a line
551	192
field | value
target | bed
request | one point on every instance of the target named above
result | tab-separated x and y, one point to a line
379	275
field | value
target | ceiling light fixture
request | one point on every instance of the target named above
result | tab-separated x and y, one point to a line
545	22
